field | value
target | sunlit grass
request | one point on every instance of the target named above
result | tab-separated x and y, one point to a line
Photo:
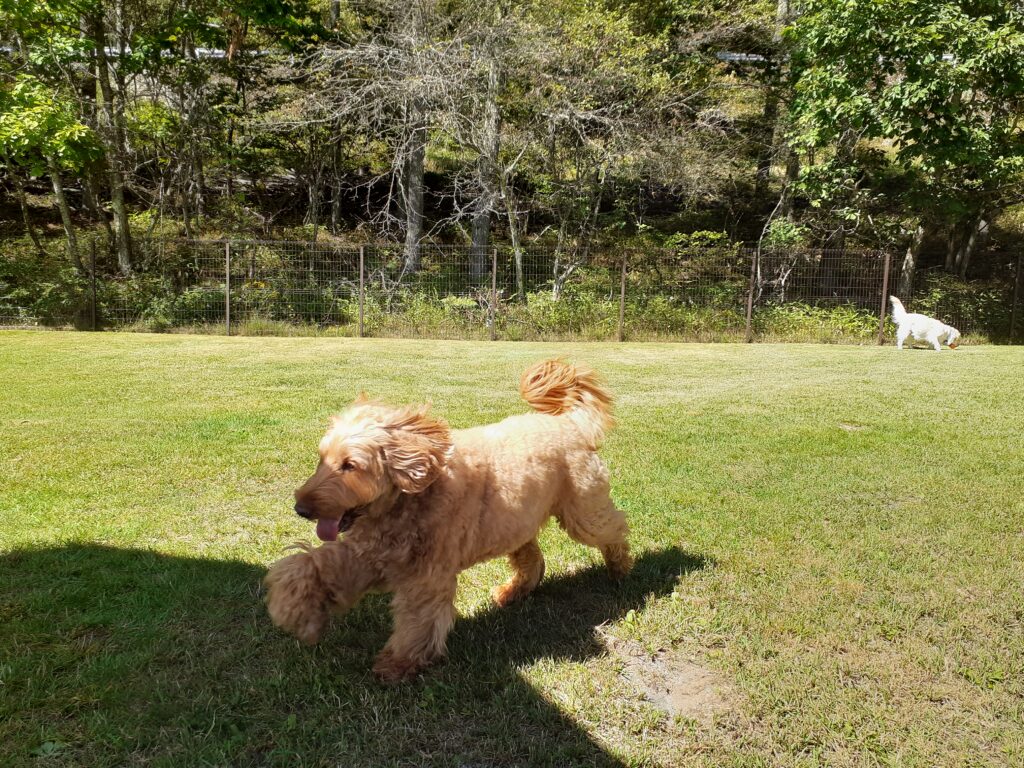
836	531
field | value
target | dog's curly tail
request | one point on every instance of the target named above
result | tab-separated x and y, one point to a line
559	388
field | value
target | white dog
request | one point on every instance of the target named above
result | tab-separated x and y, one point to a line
921	327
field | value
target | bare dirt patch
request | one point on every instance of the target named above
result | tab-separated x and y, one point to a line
680	687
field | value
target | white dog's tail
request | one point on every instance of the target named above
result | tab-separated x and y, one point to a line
898	311
557	387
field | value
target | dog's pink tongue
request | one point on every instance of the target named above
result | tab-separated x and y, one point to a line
327	530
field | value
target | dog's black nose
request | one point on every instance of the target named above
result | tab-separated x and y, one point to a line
304	510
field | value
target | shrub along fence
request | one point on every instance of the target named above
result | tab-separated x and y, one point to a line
702	294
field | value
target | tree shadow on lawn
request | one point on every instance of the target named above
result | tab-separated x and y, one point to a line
116	656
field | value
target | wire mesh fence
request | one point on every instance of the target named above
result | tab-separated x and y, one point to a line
529	293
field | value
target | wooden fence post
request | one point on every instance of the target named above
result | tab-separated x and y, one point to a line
884	298
494	294
749	330
622	301
1016	299
362	287
227	288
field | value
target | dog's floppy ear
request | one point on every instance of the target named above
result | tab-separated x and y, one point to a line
416	449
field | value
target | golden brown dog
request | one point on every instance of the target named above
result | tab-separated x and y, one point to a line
418	504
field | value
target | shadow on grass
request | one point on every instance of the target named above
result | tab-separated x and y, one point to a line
115	656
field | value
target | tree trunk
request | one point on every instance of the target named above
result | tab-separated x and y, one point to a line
19	191
199	184
93	185
335	207
229	182
65	213
769	118
481	236
952	243
416	146
774	144
185	193
315	190
158	219
112	133
906	282
977	231
412	192
486	168
514	235
517	255
792	173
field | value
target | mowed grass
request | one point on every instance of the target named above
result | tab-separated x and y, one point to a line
837	533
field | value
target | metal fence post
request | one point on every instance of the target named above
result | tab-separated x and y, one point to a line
622	302
749	330
494	294
1016	298
92	280
885	295
227	288
362	287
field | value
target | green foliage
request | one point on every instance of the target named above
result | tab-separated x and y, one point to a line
985	304
797	321
698	239
575	314
44	287
938	82
154	123
37	126
785	232
159	315
613	124
666	317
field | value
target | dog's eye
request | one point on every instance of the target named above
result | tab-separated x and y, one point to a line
348	465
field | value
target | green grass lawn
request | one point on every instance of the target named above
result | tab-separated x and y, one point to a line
836	534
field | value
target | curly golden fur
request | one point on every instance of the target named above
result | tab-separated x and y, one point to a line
419	503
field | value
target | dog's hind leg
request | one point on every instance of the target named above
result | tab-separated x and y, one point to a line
528	565
423	614
592	518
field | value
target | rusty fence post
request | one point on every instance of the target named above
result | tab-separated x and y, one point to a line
1016	299
227	287
622	301
362	287
749	329
493	319
885	295
92	280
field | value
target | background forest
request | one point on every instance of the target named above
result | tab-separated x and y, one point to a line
576	125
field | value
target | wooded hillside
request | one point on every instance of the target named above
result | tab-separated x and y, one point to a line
572	123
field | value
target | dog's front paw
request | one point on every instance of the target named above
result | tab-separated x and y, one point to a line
390	668
295	598
305	625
